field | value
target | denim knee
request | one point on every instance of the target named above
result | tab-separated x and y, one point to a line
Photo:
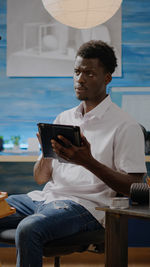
27	230
23	204
29	242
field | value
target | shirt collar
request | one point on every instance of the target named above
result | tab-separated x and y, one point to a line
98	111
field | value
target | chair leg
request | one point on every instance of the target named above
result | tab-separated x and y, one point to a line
57	261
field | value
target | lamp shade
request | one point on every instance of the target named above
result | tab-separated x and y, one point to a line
82	14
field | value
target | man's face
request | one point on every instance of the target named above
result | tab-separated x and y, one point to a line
90	79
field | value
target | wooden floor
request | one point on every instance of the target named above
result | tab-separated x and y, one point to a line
138	257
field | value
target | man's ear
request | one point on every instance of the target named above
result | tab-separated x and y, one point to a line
108	78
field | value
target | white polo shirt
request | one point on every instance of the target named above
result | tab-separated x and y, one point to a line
116	141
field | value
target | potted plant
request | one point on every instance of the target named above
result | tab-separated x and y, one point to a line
15	140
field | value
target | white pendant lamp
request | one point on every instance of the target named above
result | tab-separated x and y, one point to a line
82	14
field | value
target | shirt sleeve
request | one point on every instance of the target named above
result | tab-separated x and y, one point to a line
129	149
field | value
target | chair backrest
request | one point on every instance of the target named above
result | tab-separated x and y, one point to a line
144	132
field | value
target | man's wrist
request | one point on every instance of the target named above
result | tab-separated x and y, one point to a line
89	162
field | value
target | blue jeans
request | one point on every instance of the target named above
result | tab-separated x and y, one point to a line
38	223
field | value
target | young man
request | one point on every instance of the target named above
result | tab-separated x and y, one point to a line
109	160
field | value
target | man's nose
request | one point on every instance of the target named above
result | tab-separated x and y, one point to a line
81	78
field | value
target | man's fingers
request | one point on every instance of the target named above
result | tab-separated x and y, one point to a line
85	141
59	149
65	141
56	146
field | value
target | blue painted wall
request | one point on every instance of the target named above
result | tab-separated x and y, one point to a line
26	101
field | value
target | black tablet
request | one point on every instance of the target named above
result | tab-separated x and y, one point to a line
51	131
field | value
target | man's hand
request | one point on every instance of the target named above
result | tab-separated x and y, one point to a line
43	168
39	138
73	154
118	181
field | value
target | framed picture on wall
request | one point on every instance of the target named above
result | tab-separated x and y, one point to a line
135	101
39	46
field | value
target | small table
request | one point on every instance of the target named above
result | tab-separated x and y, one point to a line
116	233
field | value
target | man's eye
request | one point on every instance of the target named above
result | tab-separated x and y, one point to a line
90	74
77	72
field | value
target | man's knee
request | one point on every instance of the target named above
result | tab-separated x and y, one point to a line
11	198
14	200
29	227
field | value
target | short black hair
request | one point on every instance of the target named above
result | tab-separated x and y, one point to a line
102	51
